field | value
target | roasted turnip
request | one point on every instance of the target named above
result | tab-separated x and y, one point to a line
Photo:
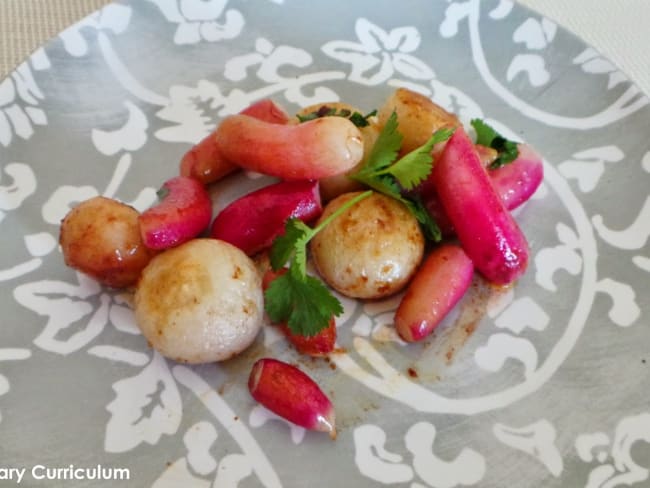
101	237
200	302
371	250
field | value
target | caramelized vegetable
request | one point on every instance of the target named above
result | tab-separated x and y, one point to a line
309	151
101	237
370	251
204	162
254	220
200	302
439	284
488	233
418	117
183	213
291	394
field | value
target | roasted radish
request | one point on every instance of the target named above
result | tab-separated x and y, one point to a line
291	394
486	155
488	233
309	151
205	163
254	220
516	182
333	186
183	213
439	284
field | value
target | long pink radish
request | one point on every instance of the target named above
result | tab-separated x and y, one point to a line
183	213
254	220
488	233
291	394
439	284
205	163
516	182
309	151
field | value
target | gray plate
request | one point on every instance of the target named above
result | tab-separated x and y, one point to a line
550	390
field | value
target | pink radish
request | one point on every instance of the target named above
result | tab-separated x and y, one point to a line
205	163
308	151
439	284
291	394
184	212
254	220
268	111
517	181
488	233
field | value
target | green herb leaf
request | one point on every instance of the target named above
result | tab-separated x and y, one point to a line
429	226
487	136
386	147
300	300
304	303
384	175
413	168
361	120
325	111
284	246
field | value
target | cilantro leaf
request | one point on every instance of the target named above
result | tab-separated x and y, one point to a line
413	168
386	185
386	146
508	152
487	136
284	246
384	175
305	303
429	226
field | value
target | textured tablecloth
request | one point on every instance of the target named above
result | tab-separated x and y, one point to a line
617	28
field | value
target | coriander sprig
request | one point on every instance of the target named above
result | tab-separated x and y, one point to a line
300	300
382	173
304	302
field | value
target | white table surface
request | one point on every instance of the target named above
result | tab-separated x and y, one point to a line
619	29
